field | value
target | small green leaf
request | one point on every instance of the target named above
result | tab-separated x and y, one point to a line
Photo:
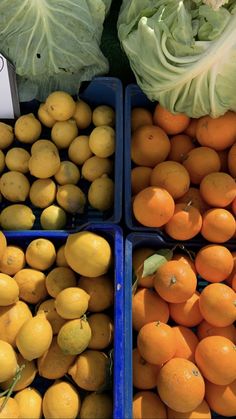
152	263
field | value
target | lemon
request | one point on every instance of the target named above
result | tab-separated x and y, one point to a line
60	278
103	115
82	114
53	218
68	173
40	254
71	198
10	410
43	144
27	375
42	192
60	259
31	284
102	331
13	260
34	337
44	163
101	194
44	117
8	361
6	135
64	132
95	167
52	316
17	217
101	291
96	406
3	244
61	401
72	303
54	363
60	105
27	128
73	338
29	402
14	186
11	319
9	290
18	159
79	150
102	141
2	161
88	253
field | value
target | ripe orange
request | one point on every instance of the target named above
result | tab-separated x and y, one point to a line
147	307
153	207
149	145
180	145
217	133
233	207
180	385
139	117
175	281
185	223
206	329
217	304
186	259
218	225
216	358
218	189
165	175
156	335
147	405
222	399
193	196
223	155
214	262
187	313
191	128
169	122
144	374
232	160
201	161
201	412
138	258
140	178
186	341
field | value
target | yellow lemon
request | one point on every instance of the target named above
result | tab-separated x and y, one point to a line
8	361
14	186
44	117
79	151
6	135
102	331
13	260
61	401
101	291
34	337
27	128
71	198
3	244
74	336
30	403
60	259
40	254
31	284
63	133
9	290
43	144
11	319
17	217
10	410
18	159
96	406
60	278
60	105
27	374
103	115
68	173
82	114
88	253
102	141
96	167
52	316
42	192
44	163
101	193
72	303
53	218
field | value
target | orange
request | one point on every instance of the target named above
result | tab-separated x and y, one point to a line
147	405
186	259
140	178
156	335
169	122
149	145
216	358
191	128
218	225
153	207
233	206
193	197
139	117
171	176
217	133
138	258
180	385
218	189
217	304
185	224
232	161
201	412
201	161
144	374
223	155
186	342
180	145
175	281
205	329
222	399
147	307
187	313
214	262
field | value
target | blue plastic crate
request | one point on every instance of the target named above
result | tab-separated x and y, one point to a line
132	242
114	236
100	91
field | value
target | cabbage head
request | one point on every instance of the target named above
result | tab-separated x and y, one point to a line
53	44
182	52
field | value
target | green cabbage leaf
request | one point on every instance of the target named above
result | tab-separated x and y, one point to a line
182	52
53	44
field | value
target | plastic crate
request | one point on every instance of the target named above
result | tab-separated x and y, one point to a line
100	91
132	242
115	237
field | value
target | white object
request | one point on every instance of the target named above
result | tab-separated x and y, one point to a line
9	102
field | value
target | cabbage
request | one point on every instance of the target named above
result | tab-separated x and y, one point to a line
53	44
182	52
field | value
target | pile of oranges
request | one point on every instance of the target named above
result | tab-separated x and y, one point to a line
184	356
183	174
